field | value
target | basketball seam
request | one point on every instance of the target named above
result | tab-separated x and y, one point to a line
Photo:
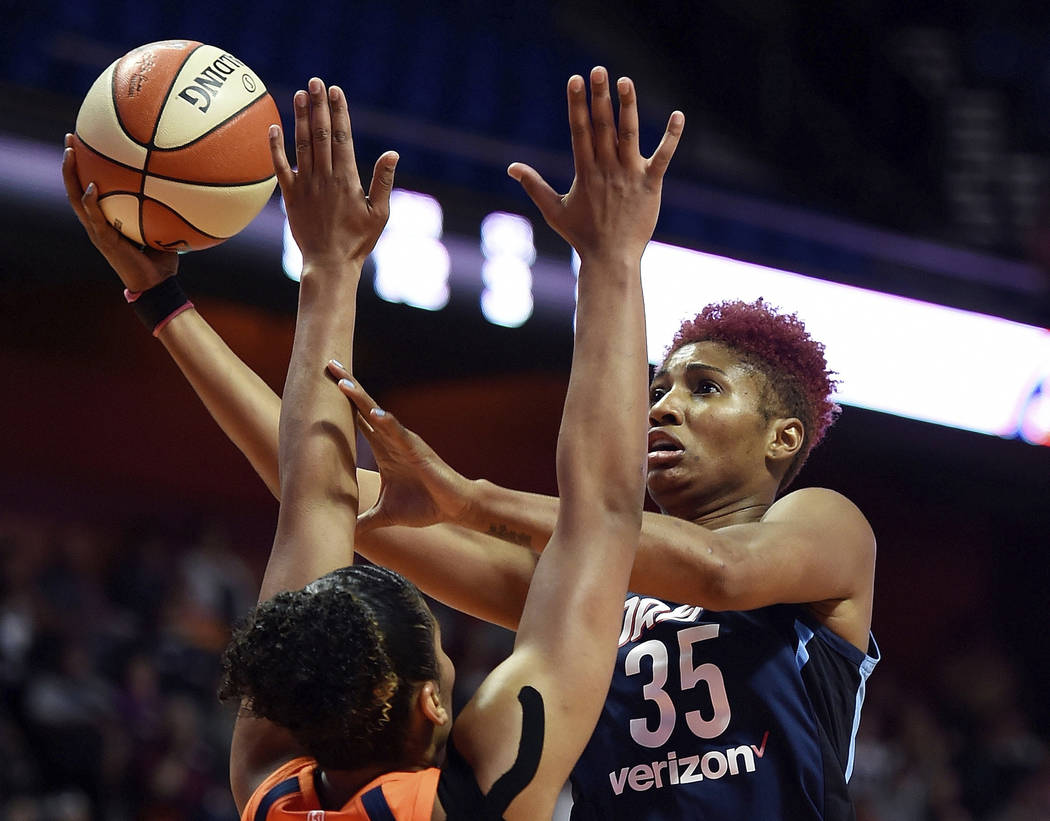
116	109
107	157
210	184
265	95
167	95
153	135
156	176
182	217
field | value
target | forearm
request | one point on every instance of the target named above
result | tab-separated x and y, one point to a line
244	406
601	443
317	450
470	572
676	559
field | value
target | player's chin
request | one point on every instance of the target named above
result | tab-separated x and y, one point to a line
663	483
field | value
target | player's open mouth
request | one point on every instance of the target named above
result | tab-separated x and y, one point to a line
664	449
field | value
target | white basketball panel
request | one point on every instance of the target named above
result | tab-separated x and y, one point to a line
99	126
217	210
122	212
211	87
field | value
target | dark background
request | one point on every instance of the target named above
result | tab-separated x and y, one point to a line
820	137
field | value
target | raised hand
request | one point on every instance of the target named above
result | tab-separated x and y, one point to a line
138	268
418	487
614	201
331	217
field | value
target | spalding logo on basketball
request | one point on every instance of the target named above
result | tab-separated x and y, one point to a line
174	134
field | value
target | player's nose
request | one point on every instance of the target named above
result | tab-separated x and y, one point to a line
666	410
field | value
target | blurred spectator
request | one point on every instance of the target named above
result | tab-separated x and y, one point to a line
109	660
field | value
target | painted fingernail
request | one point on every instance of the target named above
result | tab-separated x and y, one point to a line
346	383
337	363
90	188
379	412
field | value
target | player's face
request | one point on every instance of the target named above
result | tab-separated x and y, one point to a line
707	436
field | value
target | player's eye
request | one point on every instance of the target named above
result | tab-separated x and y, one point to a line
655	394
706	386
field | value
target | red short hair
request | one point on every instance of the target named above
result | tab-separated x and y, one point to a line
798	382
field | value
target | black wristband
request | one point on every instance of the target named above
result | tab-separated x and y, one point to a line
156	305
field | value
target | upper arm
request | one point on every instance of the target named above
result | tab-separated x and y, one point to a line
566	642
258	748
477	574
812	545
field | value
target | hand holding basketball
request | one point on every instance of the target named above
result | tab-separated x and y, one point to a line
138	269
331	218
173	134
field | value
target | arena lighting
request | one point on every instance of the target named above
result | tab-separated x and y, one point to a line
892	354
506	243
895	355
412	264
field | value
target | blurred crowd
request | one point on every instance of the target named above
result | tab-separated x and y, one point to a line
110	637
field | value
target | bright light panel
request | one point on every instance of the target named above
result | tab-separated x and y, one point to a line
412	264
506	244
892	354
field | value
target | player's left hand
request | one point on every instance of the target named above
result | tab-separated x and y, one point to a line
332	219
138	268
418	488
611	209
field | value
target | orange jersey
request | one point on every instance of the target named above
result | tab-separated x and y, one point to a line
290	793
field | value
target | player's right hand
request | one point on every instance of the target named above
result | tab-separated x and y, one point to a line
418	487
610	211
139	269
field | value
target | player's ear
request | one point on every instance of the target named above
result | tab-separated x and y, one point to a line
431	704
785	440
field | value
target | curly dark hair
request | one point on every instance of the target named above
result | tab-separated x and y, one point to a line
777	345
336	664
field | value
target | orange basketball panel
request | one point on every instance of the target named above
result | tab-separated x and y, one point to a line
167	231
141	81
106	174
238	151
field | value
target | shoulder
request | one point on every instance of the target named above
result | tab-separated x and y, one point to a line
826	513
282	783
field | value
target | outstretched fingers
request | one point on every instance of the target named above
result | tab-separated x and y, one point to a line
603	120
281	167
661	158
342	140
365	407
547	200
627	133
384	433
382	184
320	127
580	128
303	142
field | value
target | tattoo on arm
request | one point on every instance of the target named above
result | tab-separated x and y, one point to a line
501	531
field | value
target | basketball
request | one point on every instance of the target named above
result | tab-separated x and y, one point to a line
174	135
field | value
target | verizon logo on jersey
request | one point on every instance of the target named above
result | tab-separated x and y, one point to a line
641	614
688	769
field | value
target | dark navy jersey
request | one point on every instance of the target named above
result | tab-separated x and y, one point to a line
743	715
